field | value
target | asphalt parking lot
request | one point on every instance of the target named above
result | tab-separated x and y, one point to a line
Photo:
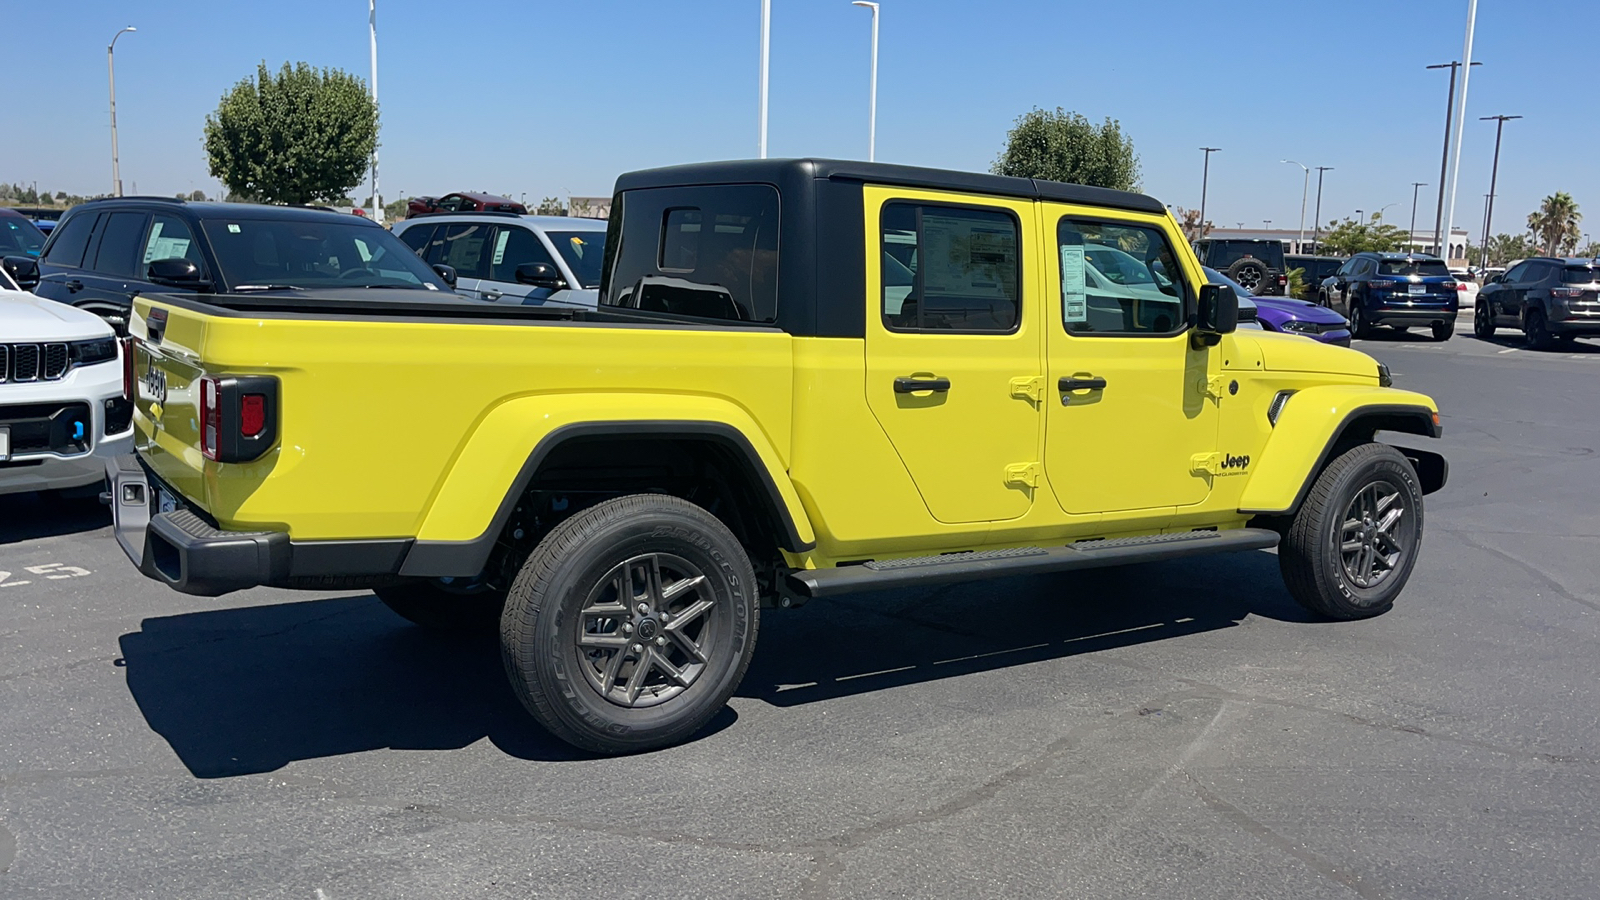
1174	730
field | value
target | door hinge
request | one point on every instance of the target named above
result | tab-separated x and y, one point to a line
1024	474
1028	387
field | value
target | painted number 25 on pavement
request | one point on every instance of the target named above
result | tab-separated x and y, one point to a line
51	571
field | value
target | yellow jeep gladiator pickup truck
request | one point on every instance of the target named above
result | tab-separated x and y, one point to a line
804	377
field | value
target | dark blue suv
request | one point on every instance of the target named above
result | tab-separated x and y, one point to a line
1402	290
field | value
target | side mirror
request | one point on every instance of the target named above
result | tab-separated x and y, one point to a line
540	275
1496	279
24	270
1219	312
179	273
447	274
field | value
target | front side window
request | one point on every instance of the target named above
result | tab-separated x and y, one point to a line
1518	272
710	252
170	238
950	269
1119	279
515	246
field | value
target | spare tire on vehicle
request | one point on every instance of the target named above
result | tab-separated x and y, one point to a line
1248	271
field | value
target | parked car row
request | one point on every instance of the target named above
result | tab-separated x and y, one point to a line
1550	300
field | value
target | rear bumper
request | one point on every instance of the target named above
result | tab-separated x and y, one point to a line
1573	326
184	551
1402	315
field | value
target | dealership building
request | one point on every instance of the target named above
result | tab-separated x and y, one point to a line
1421	240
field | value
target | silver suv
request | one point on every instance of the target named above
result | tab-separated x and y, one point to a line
510	258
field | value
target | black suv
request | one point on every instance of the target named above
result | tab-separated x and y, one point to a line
1258	265
1549	299
106	252
1313	270
1397	289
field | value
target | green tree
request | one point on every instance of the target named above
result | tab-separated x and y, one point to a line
300	136
1063	146
1555	223
1348	236
1592	251
550	206
1503	248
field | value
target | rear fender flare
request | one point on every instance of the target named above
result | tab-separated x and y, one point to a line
1317	422
462	523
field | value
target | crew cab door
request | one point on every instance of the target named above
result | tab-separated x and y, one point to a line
1126	393
954	349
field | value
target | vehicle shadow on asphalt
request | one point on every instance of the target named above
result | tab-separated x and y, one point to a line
29	517
248	690
1515	340
1383	335
873	642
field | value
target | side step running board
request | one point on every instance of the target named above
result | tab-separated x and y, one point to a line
976	564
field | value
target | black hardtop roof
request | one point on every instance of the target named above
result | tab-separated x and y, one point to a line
781	171
216	209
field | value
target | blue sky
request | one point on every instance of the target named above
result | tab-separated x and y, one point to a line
558	98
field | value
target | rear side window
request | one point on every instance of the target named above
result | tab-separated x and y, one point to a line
120	243
1580	275
950	269
709	252
71	238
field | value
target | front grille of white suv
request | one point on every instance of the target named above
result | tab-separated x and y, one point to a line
33	362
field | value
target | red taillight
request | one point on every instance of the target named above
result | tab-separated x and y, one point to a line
129	391
1461	285
1283	280
1568	293
252	414
210	417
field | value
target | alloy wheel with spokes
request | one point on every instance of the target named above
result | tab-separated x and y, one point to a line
1371	542
647	631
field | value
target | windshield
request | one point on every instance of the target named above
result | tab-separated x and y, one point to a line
277	254
1580	275
18	236
1426	267
583	251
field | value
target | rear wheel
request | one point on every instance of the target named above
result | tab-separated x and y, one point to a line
1536	330
1351	547
1482	322
1442	331
442	606
1360	325
631	624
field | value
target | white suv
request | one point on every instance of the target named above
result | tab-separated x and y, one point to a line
509	258
62	408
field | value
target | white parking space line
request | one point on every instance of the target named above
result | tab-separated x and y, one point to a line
1509	350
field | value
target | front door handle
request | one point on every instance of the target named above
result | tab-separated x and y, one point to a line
492	295
74	285
1072	383
903	385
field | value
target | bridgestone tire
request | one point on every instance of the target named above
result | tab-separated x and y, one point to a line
439	609
1237	272
1442	331
1310	556
569	590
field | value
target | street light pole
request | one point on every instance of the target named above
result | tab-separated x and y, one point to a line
1461	117
1384	207
1316	217
1205	180
1304	189
766	34
1444	155
111	70
1411	233
1494	174
872	103
372	25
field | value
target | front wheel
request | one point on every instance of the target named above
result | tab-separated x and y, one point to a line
1482	322
631	624
1351	547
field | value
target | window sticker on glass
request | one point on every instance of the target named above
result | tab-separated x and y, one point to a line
967	257
500	246
1074	308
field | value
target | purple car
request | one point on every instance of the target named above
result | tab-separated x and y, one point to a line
1291	316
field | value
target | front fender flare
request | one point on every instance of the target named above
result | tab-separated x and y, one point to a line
1313	424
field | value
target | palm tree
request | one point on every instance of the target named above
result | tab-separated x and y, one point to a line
1555	222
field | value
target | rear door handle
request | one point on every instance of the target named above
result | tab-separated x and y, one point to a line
903	385
1070	383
